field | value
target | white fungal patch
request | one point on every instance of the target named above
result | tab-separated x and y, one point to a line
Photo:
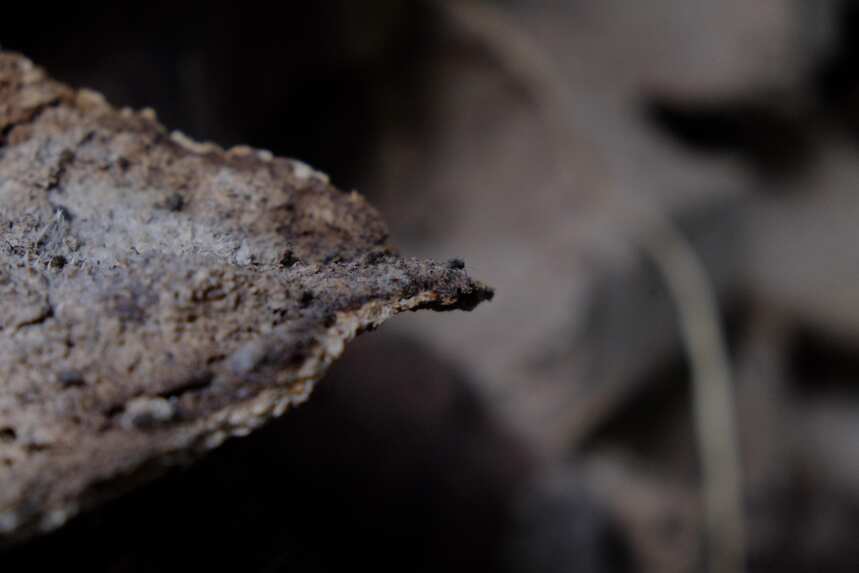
193	146
134	225
304	172
57	518
142	413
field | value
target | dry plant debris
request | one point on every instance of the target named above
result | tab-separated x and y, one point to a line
160	295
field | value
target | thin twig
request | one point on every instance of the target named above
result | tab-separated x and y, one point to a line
681	268
713	395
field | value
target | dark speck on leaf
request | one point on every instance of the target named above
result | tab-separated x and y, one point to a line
306	298
375	257
70	379
58	262
174	203
457	264
288	259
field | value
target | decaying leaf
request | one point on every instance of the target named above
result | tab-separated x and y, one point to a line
160	295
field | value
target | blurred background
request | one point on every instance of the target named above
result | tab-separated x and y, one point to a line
546	142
